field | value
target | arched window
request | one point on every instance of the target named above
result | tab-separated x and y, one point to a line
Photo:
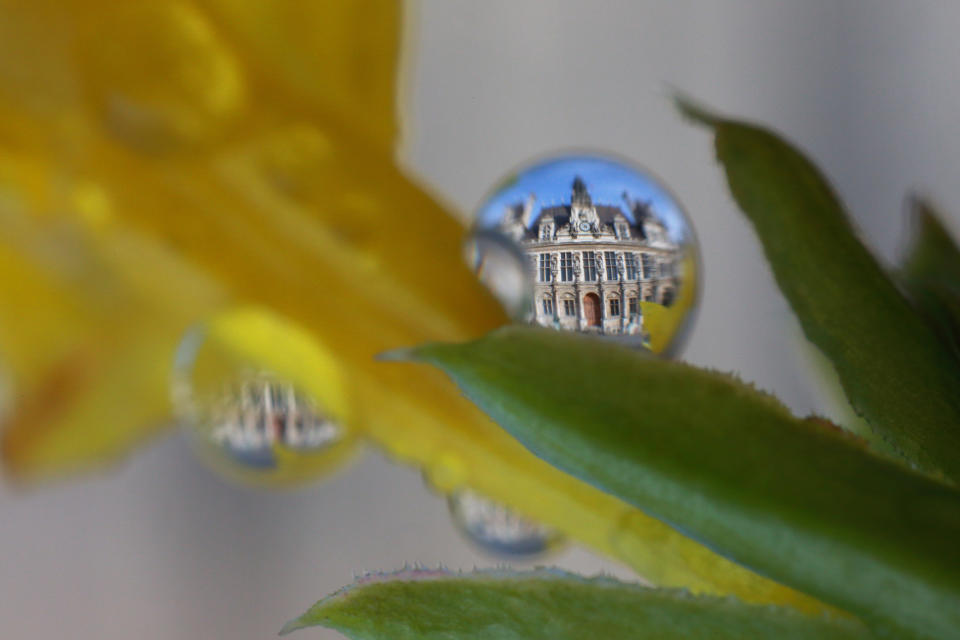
614	307
647	262
589	266
545	274
566	266
610	258
630	265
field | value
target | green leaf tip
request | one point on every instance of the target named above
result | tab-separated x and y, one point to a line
550	604
930	274
891	363
695	111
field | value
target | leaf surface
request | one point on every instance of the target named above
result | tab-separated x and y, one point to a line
552	605
795	500
892	366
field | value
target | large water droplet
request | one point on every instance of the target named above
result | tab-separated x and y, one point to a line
250	424
606	250
494	527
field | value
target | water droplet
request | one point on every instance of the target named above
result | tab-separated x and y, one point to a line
249	424
604	248
494	527
503	268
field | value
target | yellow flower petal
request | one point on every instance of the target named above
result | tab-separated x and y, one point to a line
666	324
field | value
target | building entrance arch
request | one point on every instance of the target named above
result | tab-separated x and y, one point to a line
592	311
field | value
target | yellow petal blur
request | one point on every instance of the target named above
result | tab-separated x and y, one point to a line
219	155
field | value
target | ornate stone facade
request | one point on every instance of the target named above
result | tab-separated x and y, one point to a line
592	265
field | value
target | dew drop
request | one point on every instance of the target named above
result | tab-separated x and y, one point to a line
249	424
495	528
605	249
503	268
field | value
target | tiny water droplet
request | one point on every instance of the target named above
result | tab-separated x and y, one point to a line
503	268
595	245
250	425
495	528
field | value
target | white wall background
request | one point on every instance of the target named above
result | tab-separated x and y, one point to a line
162	549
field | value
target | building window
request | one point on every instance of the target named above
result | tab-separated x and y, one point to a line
632	302
630	265
548	306
544	267
614	306
589	266
610	258
566	266
569	308
647	261
622	232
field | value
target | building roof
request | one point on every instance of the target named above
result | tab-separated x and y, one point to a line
561	214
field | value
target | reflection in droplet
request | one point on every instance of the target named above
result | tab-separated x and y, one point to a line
607	250
251	425
496	528
257	413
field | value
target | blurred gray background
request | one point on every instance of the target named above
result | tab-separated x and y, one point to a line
161	548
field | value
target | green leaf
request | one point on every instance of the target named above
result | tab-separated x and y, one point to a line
795	500
498	605
931	274
892	366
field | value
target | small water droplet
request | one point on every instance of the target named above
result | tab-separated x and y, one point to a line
251	425
604	248
504	269
496	528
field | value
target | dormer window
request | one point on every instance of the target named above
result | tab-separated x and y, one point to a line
623	232
546	231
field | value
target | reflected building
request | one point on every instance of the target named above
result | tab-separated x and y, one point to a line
593	263
261	413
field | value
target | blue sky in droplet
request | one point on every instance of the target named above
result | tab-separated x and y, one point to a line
606	180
